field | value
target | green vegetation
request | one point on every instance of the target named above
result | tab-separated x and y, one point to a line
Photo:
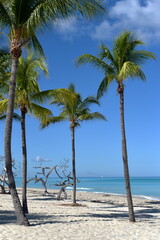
75	110
19	89
121	63
22	19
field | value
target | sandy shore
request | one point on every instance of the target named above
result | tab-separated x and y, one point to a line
101	217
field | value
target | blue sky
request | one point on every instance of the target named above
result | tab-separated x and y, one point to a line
98	143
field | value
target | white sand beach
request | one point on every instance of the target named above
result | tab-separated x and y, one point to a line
100	217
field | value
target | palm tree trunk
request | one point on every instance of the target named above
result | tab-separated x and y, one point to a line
73	164
125	159
24	153
21	218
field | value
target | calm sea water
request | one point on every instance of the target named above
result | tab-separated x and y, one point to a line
142	186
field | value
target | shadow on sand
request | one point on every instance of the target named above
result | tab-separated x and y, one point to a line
149	211
9	217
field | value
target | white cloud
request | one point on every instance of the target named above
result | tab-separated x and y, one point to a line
72	28
135	15
140	16
105	31
40	160
66	27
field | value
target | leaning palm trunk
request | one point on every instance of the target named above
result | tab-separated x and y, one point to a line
24	153
73	163
125	158
21	218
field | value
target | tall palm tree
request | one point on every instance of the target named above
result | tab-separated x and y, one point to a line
26	87
75	110
121	63
23	18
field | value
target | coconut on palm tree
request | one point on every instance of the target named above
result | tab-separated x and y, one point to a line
122	62
26	88
23	18
75	110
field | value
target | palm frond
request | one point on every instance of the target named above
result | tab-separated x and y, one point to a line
124	50
43	13
5	64
43	96
49	120
74	109
35	44
39	111
27	76
129	69
88	101
4	51
95	61
3	117
3	106
140	57
63	96
88	8
16	117
27	17
4	87
5	18
103	87
105	53
92	116
71	87
53	95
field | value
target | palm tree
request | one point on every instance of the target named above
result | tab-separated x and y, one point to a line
23	18
121	63
26	87
74	110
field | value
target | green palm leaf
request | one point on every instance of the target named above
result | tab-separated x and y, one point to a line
3	87
95	61
15	117
103	87
3	106
5	18
92	116
129	69
45	122
39	111
121	62
73	108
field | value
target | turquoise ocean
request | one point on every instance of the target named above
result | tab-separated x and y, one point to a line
147	187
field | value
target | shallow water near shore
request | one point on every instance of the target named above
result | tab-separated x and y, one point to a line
146	187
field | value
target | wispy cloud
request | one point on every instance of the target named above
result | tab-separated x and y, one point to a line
139	16
66	27
72	28
38	159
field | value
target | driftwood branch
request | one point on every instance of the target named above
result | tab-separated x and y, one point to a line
63	190
64	184
3	174
2	186
41	179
